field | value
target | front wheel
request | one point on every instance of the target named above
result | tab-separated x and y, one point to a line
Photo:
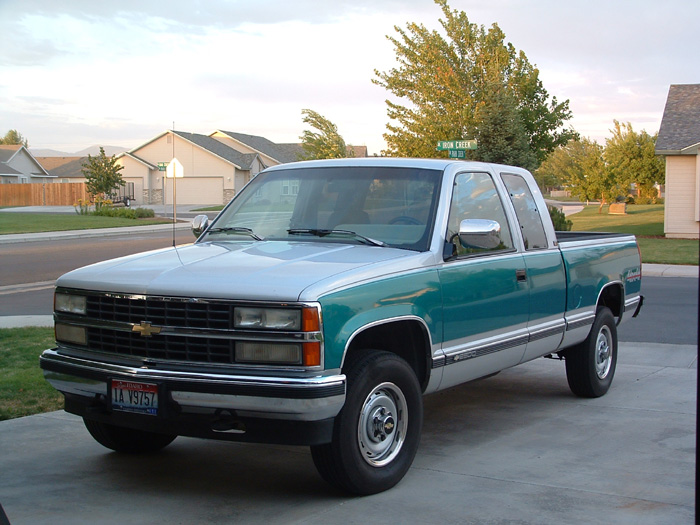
590	366
129	440
376	434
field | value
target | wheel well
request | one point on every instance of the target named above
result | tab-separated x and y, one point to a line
407	339
611	296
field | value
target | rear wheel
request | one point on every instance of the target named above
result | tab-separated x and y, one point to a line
376	434
590	366
128	440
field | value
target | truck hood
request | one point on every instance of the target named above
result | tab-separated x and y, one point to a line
275	270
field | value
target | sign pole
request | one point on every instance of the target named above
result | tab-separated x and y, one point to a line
174	171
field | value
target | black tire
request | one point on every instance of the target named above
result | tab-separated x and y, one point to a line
376	434
590	366
127	440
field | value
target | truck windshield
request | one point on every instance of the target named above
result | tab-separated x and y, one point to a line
377	206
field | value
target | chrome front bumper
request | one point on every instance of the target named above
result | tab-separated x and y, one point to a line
296	399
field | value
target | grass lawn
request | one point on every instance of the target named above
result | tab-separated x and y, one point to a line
647	223
210	208
17	222
23	389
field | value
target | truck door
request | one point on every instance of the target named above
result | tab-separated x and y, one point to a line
545	272
485	300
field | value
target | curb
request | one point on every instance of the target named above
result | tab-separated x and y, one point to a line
669	270
97	232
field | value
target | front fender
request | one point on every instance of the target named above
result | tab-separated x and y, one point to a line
348	312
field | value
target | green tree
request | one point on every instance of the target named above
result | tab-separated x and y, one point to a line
326	142
501	135
631	158
102	175
461	85
581	167
14	137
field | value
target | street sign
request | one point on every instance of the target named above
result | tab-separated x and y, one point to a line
461	144
457	153
174	170
162	166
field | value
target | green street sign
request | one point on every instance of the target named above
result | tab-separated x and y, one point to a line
162	166
457	153
461	144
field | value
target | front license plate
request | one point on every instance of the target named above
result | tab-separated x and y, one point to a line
135	397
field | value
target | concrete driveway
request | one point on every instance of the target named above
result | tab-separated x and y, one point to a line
514	448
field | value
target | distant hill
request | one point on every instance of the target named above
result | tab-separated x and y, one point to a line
92	150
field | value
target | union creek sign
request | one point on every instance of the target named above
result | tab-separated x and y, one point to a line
461	144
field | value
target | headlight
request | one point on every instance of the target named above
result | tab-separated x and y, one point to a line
72	304
268	318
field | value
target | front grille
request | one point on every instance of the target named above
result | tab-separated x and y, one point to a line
161	312
167	347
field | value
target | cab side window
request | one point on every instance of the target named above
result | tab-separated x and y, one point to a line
527	212
474	196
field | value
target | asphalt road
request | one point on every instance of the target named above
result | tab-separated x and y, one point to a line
31	262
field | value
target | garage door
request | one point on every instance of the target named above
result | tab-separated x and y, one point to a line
199	190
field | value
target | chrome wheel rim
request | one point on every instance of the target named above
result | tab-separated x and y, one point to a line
381	429
603	353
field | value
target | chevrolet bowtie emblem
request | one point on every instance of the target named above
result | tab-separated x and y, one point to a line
145	329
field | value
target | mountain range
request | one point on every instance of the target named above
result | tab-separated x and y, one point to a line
92	150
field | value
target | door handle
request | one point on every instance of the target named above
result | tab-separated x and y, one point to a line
521	276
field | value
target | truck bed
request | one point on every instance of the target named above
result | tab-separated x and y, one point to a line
571	237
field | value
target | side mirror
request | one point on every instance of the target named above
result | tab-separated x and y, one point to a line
199	224
480	233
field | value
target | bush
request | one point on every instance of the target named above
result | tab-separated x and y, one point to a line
144	213
124	213
561	223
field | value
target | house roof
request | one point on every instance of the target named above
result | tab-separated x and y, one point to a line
282	153
243	161
9	151
680	126
63	167
8	170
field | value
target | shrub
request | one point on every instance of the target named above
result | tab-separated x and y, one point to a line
143	213
561	223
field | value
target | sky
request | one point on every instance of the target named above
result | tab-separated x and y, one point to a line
80	73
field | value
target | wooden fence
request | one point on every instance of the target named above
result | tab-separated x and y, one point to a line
51	194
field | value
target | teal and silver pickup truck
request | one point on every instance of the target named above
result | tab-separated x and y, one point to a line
326	299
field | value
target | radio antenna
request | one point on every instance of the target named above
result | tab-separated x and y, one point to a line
174	187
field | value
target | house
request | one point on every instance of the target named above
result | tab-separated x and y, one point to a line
17	165
215	166
213	171
679	142
65	169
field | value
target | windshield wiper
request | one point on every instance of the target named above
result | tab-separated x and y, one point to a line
322	233
237	229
